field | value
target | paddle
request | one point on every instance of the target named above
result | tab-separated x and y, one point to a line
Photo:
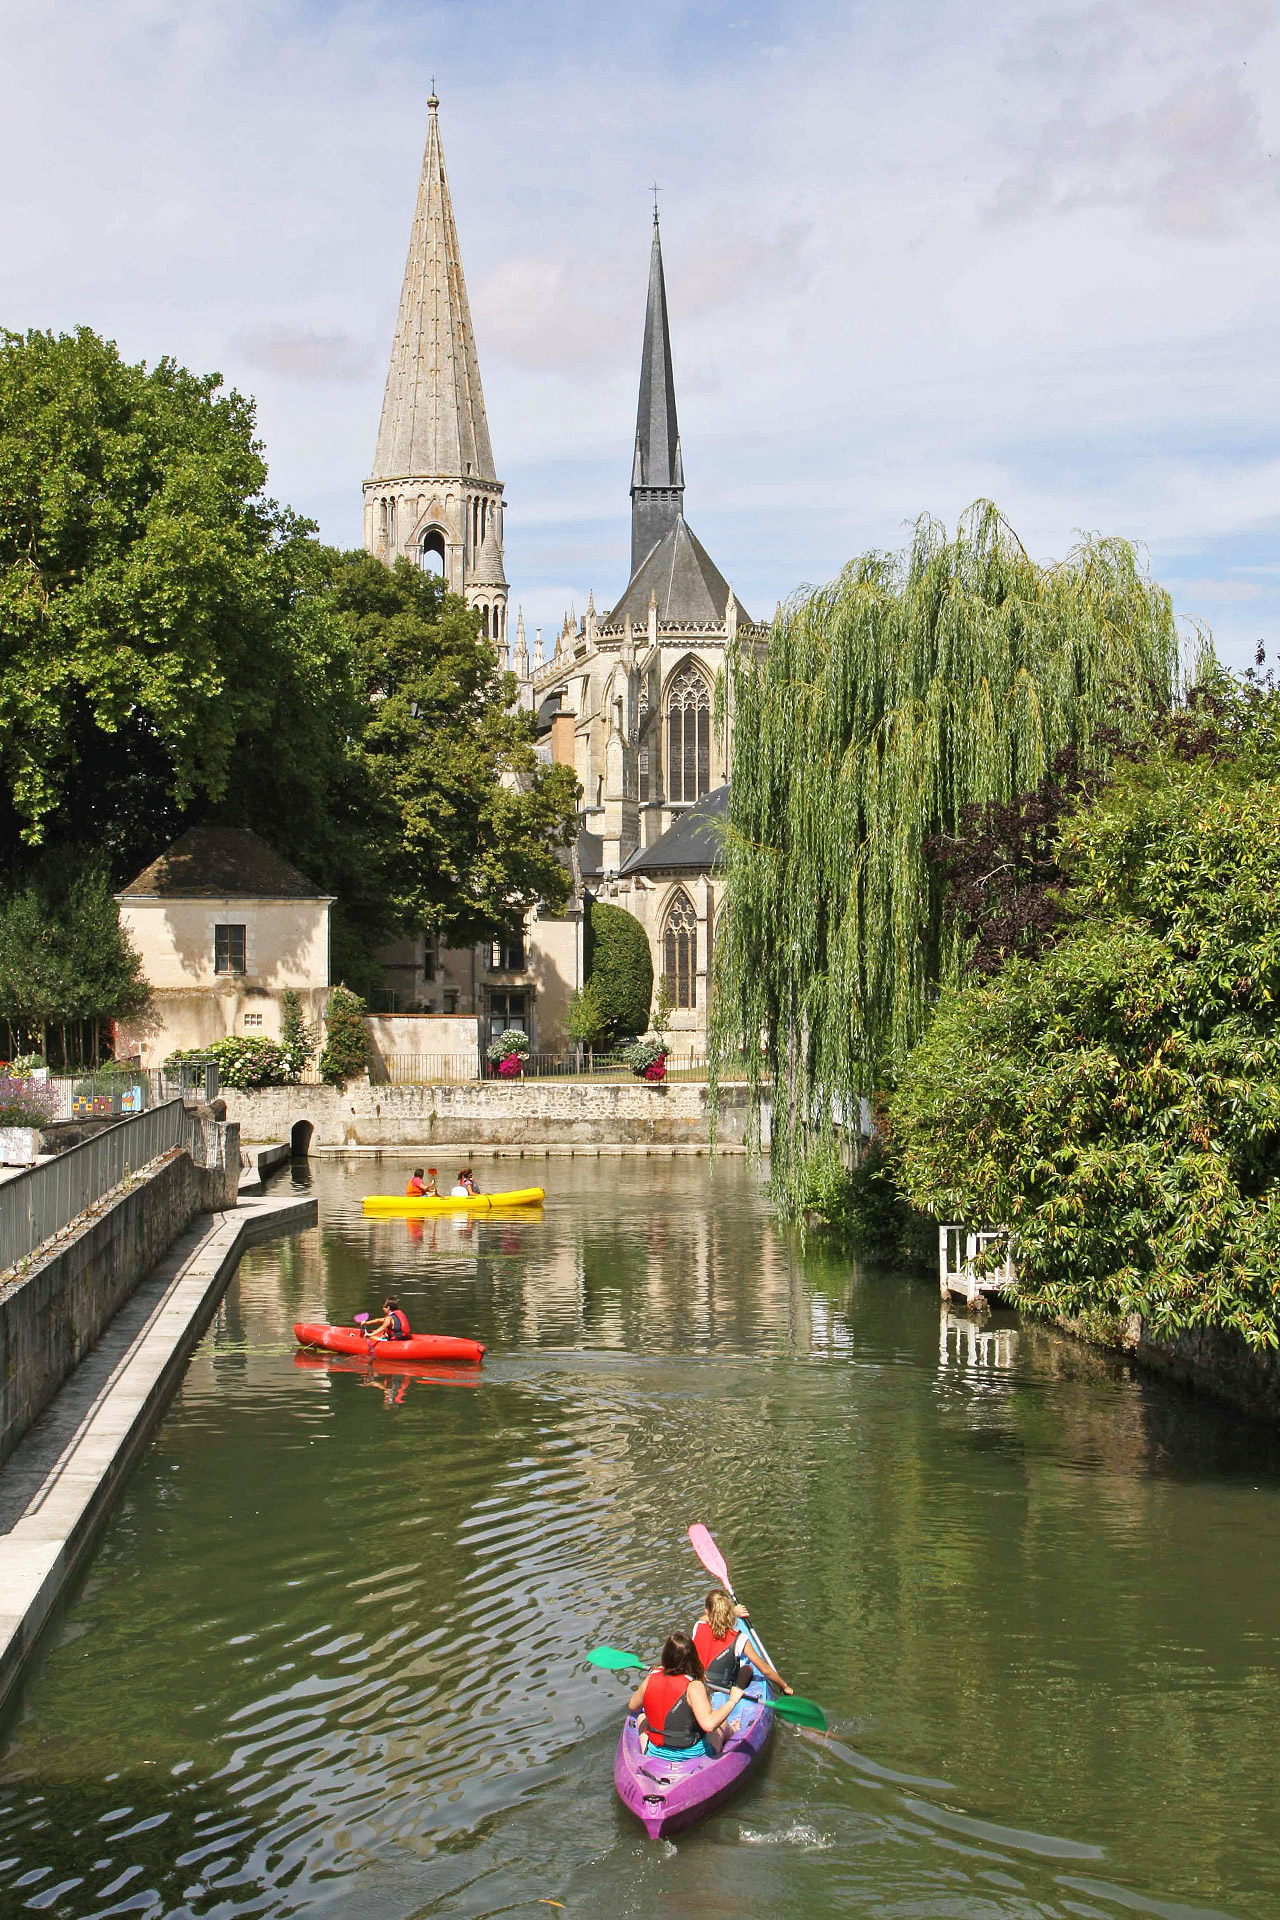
810	1714
806	1713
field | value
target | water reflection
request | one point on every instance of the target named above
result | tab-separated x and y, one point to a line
330	1653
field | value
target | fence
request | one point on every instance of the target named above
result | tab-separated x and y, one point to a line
443	1069
111	1094
42	1201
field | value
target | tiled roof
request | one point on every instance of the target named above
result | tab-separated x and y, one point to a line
220	863
691	845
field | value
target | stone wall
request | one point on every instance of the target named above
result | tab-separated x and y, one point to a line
53	1314
483	1113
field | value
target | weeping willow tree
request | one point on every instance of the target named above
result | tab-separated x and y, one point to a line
911	687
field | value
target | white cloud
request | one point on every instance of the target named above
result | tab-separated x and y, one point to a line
1218	592
858	336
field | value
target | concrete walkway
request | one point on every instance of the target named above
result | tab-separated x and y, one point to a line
58	1484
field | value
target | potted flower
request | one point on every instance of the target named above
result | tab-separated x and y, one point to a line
507	1054
647	1059
26	1106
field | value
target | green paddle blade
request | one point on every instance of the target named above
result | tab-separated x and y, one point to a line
614	1658
805	1713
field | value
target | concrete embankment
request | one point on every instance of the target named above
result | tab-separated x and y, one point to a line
52	1313
482	1114
58	1483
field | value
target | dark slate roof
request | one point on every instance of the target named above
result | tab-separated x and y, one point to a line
688	586
219	863
691	845
657	460
590	855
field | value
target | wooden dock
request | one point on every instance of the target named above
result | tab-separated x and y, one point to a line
959	1249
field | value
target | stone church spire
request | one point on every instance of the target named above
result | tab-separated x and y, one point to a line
657	474
433	495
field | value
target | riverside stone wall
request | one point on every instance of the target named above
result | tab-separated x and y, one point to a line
532	1113
53	1313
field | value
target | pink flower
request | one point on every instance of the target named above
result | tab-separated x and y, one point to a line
509	1069
656	1069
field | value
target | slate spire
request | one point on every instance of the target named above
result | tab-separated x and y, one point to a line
433	419
657	475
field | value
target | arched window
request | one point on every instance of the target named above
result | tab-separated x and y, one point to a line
688	737
431	551
680	951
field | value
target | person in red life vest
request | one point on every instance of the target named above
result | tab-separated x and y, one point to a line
415	1186
394	1324
674	1702
726	1651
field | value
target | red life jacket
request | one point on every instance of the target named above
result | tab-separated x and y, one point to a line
414	1189
710	1650
667	1712
398	1325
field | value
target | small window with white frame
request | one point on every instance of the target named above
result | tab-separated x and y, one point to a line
252	1020
228	948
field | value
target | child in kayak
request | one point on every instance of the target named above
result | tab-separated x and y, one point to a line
394	1324
726	1652
675	1707
465	1187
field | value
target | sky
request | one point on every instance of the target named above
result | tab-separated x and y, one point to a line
915	254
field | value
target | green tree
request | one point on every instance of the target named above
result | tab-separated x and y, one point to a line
585	1018
66	965
148	593
469	822
618	964
887	703
1116	1104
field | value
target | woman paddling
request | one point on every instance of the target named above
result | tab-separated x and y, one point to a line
394	1324
726	1651
676	1707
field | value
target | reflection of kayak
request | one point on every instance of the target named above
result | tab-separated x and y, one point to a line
419	1346
401	1203
667	1794
435	1372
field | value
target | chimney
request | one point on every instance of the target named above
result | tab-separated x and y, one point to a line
562	731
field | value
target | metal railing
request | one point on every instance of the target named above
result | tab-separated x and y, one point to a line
443	1069
39	1203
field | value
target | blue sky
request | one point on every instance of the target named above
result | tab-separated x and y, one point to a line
915	254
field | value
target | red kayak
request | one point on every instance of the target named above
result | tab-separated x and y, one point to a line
419	1346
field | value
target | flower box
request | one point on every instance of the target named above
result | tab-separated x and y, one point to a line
19	1146
510	1067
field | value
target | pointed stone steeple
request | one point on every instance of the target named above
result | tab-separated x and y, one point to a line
657	474
433	418
433	495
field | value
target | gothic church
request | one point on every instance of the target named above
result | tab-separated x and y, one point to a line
625	697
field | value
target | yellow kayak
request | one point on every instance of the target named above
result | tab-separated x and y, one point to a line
402	1203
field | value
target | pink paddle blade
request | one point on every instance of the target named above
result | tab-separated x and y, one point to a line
709	1553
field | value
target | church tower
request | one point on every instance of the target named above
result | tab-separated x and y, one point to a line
657	472
433	495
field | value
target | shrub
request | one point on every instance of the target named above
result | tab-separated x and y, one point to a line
24	1103
584	1019
242	1060
618	965
298	1036
346	1047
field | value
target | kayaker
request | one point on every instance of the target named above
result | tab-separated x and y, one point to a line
726	1651
394	1324
415	1186
674	1703
465	1187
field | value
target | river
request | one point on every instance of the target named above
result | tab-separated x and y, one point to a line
328	1656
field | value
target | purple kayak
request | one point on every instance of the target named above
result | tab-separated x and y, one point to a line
667	1794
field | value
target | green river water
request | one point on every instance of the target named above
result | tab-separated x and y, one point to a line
328	1655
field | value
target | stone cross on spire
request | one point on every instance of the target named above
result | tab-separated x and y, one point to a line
433	418
657	475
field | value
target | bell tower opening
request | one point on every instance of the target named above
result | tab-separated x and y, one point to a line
431	551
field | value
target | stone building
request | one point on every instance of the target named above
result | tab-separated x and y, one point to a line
626	697
224	927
